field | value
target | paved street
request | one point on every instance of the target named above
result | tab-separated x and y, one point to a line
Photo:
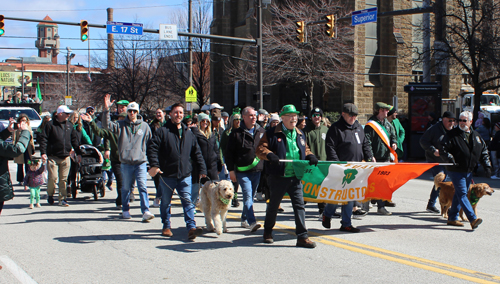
89	243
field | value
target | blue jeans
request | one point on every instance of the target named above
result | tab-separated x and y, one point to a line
346	212
249	181
435	192
461	182
183	187
139	173
195	193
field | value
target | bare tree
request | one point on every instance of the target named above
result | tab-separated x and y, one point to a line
79	90
471	43
177	62
137	75
321	59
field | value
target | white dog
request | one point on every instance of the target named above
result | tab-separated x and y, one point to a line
214	200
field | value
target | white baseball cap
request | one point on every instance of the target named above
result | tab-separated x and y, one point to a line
216	105
133	106
64	109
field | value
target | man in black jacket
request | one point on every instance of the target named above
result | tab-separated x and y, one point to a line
177	147
346	141
464	148
243	164
431	143
57	140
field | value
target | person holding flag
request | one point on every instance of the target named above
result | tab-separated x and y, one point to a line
346	141
285	141
382	136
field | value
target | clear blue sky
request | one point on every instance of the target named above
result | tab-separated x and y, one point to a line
20	34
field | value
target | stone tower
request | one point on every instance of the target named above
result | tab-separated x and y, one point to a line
48	40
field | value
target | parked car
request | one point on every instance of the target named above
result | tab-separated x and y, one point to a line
14	112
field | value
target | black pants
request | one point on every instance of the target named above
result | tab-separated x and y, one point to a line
278	186
1	206
116	166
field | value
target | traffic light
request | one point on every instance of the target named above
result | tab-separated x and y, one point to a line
330	25
84	30
2	25
301	31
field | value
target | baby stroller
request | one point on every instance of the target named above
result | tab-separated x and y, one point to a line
90	172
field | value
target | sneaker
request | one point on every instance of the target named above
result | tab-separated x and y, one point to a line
432	209
245	225
147	216
456	223
350	229
156	202
474	224
50	200
305	243
126	215
326	222
268	238
495	177
259	196
359	213
254	227
383	211
63	203
235	203
194	232
31	206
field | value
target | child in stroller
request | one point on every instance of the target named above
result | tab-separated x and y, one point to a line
90	172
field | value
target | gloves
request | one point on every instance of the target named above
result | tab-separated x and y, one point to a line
273	159
451	159
313	161
487	172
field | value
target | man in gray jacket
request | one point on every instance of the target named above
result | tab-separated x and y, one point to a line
133	136
431	143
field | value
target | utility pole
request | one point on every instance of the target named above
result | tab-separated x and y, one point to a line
22	74
69	56
111	43
259	53
190	43
426	19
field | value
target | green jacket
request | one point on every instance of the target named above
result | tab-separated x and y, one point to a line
400	137
7	151
112	139
316	137
380	150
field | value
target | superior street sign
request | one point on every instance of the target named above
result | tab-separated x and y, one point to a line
364	16
124	28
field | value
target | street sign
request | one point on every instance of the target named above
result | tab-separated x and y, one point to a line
191	95
364	16
168	32
124	28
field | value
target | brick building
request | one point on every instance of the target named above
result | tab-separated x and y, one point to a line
381	49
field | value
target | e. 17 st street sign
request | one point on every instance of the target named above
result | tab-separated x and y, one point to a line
364	16
124	28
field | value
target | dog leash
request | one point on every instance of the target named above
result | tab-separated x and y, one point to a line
173	190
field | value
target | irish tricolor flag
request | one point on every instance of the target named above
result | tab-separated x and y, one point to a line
339	182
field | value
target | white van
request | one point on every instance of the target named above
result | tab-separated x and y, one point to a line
14	112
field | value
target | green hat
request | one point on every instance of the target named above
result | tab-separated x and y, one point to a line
288	109
123	103
380	105
203	116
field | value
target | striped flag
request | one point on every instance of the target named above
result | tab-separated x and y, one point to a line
340	182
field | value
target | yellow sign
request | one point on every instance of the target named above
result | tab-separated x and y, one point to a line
191	95
15	79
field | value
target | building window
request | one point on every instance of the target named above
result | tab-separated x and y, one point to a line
417	40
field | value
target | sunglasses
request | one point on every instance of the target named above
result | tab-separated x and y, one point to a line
237	119
316	115
462	120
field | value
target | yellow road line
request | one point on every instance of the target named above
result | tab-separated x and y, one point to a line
401	258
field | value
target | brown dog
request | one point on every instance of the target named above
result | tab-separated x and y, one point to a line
447	191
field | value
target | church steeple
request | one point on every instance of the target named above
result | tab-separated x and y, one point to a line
48	40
